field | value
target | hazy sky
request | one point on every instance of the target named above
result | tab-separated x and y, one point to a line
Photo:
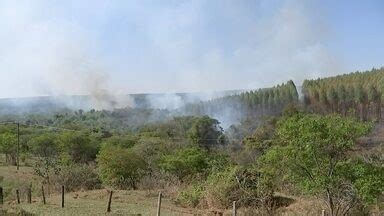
75	47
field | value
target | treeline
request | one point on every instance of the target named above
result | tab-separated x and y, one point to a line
261	102
119	120
124	159
358	94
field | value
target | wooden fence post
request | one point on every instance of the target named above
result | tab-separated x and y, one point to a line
159	204
109	201
62	196
43	194
29	195
1	196
234	212
323	212
18	196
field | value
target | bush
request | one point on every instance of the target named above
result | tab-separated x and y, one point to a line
190	196
184	162
79	146
78	177
120	167
222	189
122	141
236	183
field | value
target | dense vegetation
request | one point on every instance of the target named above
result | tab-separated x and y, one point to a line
280	148
248	104
359	94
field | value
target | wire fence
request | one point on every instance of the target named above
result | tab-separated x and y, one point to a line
23	196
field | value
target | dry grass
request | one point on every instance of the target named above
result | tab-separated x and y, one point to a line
12	179
95	203
303	206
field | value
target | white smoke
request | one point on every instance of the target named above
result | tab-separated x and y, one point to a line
170	47
51	57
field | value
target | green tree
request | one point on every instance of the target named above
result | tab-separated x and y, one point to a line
120	167
46	149
8	146
206	133
184	162
79	146
311	150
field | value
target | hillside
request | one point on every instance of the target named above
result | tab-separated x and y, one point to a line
265	149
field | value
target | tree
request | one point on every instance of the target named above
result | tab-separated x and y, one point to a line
206	132
122	141
375	98
79	146
363	89
333	99
362	99
311	150
8	146
46	149
184	162
120	167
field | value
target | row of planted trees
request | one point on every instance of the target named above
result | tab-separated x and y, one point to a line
360	94
261	102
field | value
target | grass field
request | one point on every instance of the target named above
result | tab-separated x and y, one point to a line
95	203
80	203
124	202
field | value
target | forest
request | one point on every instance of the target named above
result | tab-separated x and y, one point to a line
276	149
359	94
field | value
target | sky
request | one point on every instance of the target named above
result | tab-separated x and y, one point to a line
52	47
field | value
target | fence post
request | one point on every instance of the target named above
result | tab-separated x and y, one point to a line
1	196
323	212
29	195
159	204
109	201
234	212
18	196
62	196
43	194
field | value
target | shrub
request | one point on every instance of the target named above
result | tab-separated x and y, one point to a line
190	196
222	189
79	146
120	167
122	141
206	133
46	149
236	183
78	177
184	162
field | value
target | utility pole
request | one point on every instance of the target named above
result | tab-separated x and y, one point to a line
18	145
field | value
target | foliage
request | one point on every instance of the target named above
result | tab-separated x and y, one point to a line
310	149
8	146
190	196
77	177
254	103
366	178
120	167
206	133
221	188
122	141
362	92
184	162
79	146
261	139
46	149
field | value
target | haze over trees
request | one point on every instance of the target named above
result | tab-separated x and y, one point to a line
279	150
